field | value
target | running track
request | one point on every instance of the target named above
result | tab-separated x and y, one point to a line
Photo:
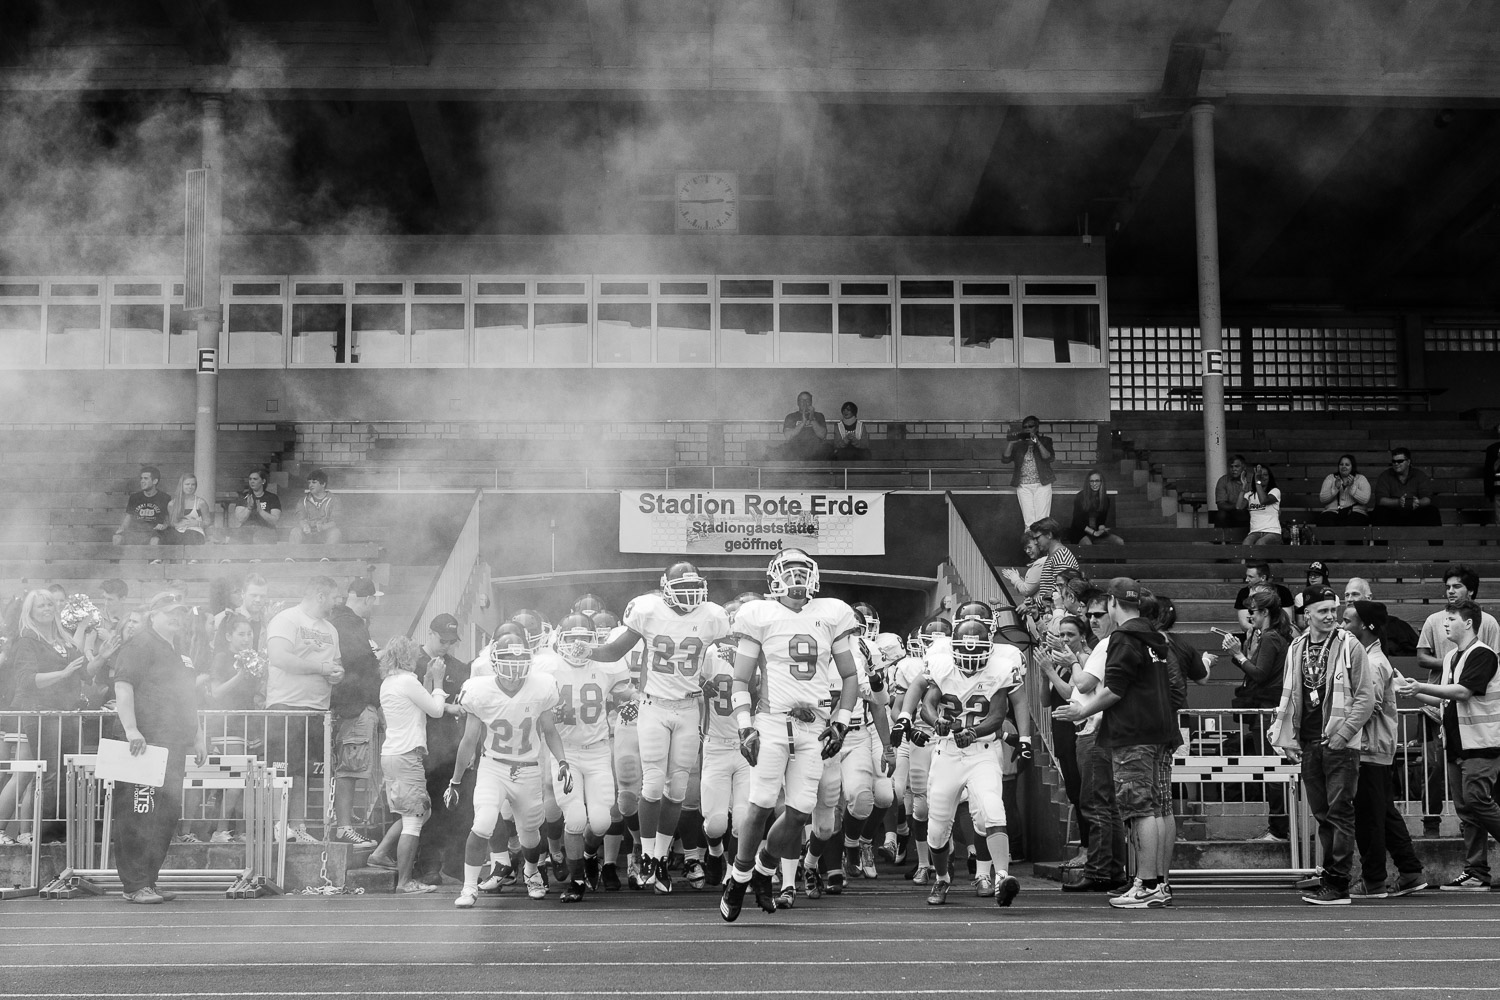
877	940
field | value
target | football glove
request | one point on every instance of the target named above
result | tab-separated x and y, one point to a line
963	737
565	775
833	739
803	714
750	744
451	795
900	731
565	715
918	737
888	762
630	711
1023	748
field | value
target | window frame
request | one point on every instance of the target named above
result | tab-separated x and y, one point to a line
39	339
166	299
1099	298
100	299
283	299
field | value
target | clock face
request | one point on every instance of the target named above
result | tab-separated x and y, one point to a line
708	202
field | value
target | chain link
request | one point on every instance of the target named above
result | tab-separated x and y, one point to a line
327	888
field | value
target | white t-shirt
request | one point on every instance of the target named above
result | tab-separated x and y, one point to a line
405	703
312	639
1435	638
1094	667
1266	517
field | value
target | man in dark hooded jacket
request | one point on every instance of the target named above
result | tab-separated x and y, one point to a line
1139	728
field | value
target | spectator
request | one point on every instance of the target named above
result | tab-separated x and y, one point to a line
1469	697
189	515
258	511
1031	452
1262	659
804	431
1460	583
1139	729
1257	574
1326	699
145	512
851	442
1378	826
442	673
1492	475
356	706
1264	501
1026	583
1345	496
111	604
1093	513
1063	654
1317	579
1059	557
318	514
233	683
1231	495
1404	494
407	706
157	705
303	650
1397	638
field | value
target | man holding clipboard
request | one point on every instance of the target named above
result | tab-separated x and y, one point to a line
156	700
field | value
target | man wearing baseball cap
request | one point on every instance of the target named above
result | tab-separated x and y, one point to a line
443	836
1317	579
156	700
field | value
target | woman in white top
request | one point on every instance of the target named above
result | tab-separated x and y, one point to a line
188	515
406	705
1026	582
1264	501
1345	496
850	440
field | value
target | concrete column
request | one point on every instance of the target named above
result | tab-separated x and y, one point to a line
206	421
1206	211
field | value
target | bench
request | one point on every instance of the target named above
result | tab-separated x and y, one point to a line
1402	398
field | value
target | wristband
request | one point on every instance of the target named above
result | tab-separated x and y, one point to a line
743	720
740	699
842	716
904	717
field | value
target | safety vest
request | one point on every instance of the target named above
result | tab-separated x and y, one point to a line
1479	715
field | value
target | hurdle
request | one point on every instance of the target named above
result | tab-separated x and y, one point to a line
37	769
1269	769
88	819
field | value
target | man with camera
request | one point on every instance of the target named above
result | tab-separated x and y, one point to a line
1031	452
805	432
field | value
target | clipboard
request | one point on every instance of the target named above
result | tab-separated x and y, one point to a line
114	763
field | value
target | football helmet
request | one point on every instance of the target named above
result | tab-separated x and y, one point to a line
794	574
889	648
932	628
511	658
867	614
533	626
576	638
682	588
971	645
588	604
914	646
977	611
605	622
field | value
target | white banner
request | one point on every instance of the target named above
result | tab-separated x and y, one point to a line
736	522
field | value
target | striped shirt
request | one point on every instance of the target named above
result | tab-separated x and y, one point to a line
1060	558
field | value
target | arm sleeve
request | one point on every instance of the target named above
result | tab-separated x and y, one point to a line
420	696
1119	671
1330	488
1361	490
131	663
1479	670
1270	658
1383	486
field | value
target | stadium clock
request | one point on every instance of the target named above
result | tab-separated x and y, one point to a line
708	202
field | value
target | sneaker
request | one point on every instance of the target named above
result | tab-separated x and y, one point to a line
695	873
591	871
414	888
1272	838
146	895
1467	882
1406	883
299	835
733	899
23	840
835	882
648	872
787	897
921	875
713	870
573	891
186	838
544	867
663	881
983	887
1327	896
812	882
1359	890
1006	890
1313	881
1092	885
355	839
5	840
903	849
536	886
867	860
887	851
166	894
1138	897
609	878
633	873
761	884
939	894
376	861
495	881
221	837
467	897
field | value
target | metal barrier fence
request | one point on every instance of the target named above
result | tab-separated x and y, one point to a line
299	741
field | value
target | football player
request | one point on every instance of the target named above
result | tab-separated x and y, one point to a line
626	748
914	757
677	625
585	689
511	714
965	690
867	761
725	783
796	633
502	870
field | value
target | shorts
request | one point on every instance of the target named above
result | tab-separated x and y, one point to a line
406	782
1143	780
296	741
354	744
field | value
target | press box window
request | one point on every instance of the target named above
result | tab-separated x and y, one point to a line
75	325
20	324
747	321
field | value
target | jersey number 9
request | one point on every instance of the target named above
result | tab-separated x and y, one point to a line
802	650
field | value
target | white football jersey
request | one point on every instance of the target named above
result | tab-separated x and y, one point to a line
511	719
904	675
582	696
966	698
797	649
718	677
630	664
674	643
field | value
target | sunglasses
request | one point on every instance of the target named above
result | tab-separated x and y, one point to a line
1096	614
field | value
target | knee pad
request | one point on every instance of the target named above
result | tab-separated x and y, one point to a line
862	804
715	827
919	807
824	823
676	785
485	819
528	839
654	782
411	826
884	793
628	803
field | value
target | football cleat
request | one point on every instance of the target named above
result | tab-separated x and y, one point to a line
921	875
733	899
867	860
635	873
499	877
787	897
662	883
467	897
591	872
939	894
536	886
609	878
1006	890
812	882
573	891
713	870
836	880
760	883
695	873
983	887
